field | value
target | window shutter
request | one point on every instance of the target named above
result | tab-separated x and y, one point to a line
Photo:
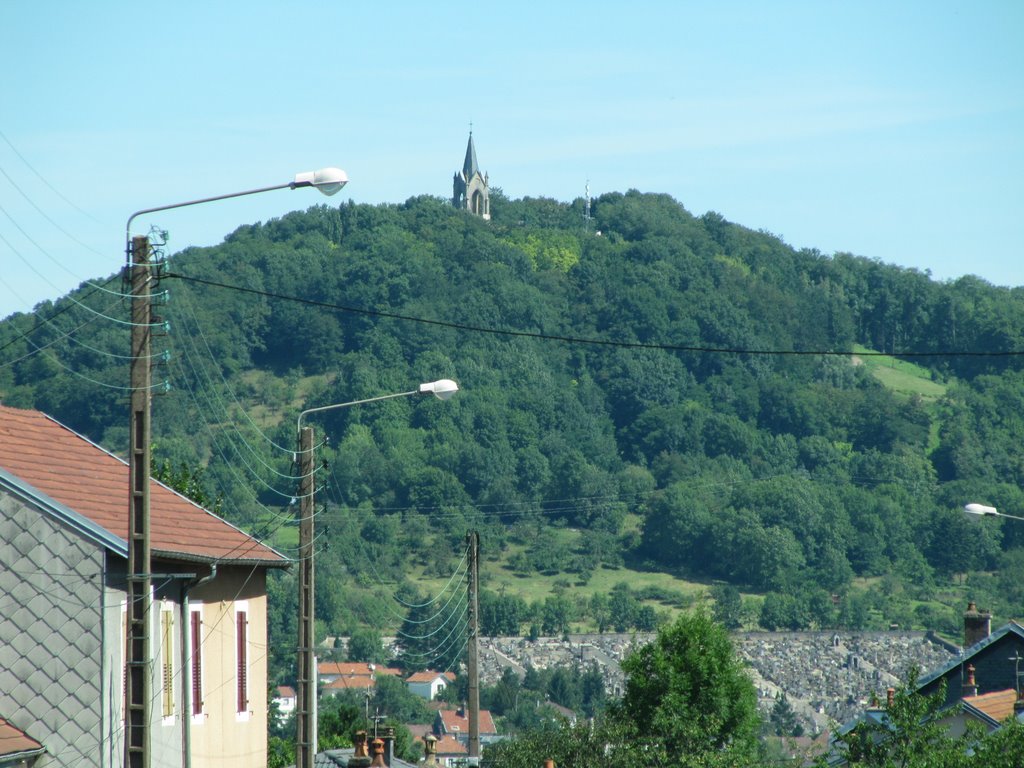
242	627
197	663
167	649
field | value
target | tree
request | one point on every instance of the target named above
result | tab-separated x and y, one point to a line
689	696
727	605
187	481
365	645
337	720
783	720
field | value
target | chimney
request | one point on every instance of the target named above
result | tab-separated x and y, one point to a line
549	763
359	759
1018	705
977	625
970	687
389	744
430	751
378	754
890	696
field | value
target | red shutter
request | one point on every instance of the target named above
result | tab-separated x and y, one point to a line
242	626
197	664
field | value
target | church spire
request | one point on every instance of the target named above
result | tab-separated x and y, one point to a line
470	188
470	167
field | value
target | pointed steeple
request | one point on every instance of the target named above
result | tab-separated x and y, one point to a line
469	188
469	167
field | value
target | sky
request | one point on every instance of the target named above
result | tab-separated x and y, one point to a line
888	130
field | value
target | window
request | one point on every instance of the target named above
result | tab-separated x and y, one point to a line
196	661
167	660
242	660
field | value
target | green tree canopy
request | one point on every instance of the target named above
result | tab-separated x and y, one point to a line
689	694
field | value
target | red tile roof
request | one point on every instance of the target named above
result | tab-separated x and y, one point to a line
429	677
82	476
455	721
449	745
998	704
359	682
354	668
14	741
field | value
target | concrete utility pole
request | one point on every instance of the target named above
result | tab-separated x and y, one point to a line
137	678
138	683
472	661
305	711
305	714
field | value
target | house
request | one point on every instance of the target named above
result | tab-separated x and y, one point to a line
285	699
455	723
339	676
992	654
989	709
450	752
63	568
428	684
980	683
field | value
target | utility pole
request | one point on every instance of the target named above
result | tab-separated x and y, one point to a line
472	662
137	675
305	712
138	682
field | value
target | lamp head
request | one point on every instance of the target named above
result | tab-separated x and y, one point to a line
441	389
980	509
327	180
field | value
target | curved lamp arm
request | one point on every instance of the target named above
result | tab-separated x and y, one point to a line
327	180
442	389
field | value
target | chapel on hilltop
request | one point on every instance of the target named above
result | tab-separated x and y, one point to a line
469	188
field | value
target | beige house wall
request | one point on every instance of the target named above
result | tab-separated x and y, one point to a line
221	736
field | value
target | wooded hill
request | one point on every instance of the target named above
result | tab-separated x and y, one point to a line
644	390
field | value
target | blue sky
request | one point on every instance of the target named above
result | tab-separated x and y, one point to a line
888	130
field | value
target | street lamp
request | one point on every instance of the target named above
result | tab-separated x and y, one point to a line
137	674
305	710
982	510
327	180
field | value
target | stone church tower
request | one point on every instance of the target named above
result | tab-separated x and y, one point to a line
470	191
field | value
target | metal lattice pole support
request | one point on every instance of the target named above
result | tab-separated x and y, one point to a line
305	713
137	676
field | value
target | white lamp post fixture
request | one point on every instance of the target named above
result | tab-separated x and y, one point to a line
442	389
305	708
138	683
327	180
982	510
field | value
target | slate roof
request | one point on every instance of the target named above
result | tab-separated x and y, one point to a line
338	758
14	742
1011	627
65	471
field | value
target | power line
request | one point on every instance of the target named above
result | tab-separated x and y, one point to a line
584	340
